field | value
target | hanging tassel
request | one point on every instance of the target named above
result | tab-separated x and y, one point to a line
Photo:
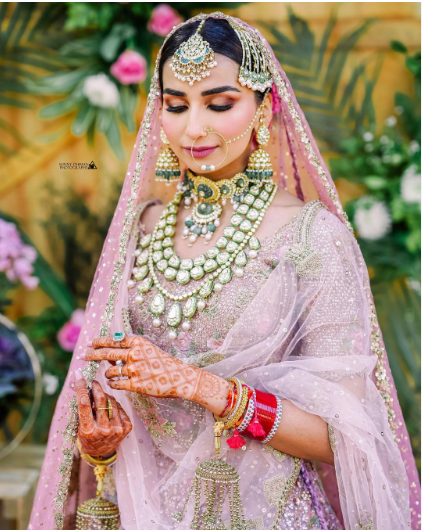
216	480
236	440
256	428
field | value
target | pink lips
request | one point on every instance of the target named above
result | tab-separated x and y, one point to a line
201	152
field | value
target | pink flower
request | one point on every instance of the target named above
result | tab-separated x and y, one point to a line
68	335
183	341
16	258
130	67
30	282
163	19
213	343
22	267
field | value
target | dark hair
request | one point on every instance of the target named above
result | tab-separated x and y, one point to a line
221	37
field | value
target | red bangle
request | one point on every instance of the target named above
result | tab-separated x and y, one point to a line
266	408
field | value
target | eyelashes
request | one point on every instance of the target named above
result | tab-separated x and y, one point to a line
215	108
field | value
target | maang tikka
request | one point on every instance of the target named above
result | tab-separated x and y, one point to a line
193	58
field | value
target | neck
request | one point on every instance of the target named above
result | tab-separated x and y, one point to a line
226	172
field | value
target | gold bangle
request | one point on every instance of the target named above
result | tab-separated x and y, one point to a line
228	421
238	388
95	461
243	403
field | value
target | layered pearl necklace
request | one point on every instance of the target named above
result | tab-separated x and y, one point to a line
155	253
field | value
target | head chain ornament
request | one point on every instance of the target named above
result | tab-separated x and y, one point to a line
194	58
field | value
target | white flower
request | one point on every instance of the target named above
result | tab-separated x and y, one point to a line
411	185
101	91
372	218
396	158
414	284
368	136
50	383
413	147
369	147
391	121
384	139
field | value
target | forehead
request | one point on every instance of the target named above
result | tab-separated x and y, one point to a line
225	73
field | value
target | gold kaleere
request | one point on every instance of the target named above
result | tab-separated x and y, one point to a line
217	479
97	513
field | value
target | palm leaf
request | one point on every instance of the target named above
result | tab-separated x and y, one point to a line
331	112
24	53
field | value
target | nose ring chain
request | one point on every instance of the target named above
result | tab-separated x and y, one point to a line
212	167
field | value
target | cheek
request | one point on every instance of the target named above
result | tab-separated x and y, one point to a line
172	128
238	120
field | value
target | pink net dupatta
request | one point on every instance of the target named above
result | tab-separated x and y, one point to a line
310	335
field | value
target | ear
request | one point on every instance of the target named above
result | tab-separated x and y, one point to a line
268	111
268	108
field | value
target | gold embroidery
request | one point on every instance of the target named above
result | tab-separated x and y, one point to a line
306	260
148	412
365	521
251	523
380	373
273	487
280	456
65	468
332	438
277	490
204	359
126	321
89	372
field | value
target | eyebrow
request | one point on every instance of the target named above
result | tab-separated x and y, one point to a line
216	90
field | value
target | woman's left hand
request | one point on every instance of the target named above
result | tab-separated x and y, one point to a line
151	371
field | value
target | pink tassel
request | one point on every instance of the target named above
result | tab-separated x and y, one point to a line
235	441
256	429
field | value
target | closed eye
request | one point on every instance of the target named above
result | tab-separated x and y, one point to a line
215	108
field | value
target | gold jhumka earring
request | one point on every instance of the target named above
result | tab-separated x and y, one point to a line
259	167
167	167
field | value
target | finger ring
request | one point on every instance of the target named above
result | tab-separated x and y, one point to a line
118	336
109	408
119	363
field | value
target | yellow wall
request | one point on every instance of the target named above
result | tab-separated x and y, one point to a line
23	176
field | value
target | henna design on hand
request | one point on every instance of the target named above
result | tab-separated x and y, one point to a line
153	372
210	389
100	436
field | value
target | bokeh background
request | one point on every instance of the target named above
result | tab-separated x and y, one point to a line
73	84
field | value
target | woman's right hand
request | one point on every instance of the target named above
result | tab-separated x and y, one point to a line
99	436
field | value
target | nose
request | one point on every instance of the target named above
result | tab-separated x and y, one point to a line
195	127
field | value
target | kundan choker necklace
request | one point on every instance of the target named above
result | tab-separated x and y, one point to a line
210	197
156	258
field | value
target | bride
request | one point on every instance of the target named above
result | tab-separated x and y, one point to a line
231	373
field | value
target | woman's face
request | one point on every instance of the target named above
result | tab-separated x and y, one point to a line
217	101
